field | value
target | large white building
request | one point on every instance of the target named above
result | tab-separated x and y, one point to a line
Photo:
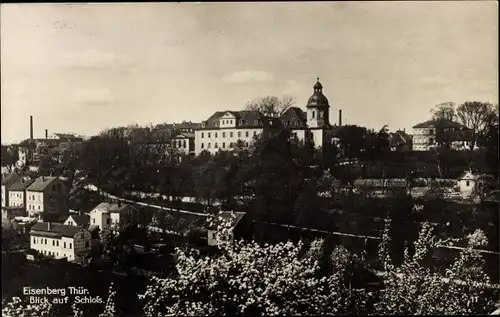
60	241
427	134
225	128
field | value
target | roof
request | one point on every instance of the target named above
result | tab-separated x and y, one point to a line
55	229
295	117
226	215
182	135
68	136
93	228
318	99
445	123
41	183
186	125
113	207
9	178
21	185
468	174
245	119
80	220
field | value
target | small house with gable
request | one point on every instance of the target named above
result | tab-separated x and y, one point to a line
466	183
225	215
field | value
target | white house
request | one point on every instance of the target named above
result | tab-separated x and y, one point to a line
107	214
213	235
184	142
60	241
7	181
46	194
466	183
17	193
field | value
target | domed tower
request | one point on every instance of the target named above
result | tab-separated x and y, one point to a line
318	108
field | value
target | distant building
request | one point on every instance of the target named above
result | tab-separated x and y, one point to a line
428	134
47	195
82	221
60	241
184	142
9	213
7	181
17	193
213	236
107	214
466	184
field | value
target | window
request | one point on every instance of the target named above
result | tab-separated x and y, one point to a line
86	244
34	240
246	134
216	134
53	242
254	133
70	246
246	143
45	241
467	183
208	145
223	134
202	135
93	220
313	114
431	131
231	145
64	245
202	145
230	134
431	141
239	134
184	143
57	243
108	221
216	145
38	207
208	134
223	145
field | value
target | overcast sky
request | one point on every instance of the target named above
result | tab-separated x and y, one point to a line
84	68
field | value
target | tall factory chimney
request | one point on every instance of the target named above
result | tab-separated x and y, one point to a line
31	127
46	134
340	117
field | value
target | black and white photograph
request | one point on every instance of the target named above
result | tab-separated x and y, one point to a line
250	158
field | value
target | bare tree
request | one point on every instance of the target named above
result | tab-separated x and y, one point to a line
445	110
271	105
476	116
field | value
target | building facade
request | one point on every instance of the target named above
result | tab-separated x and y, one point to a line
7	181
60	241
17	193
46	195
184	142
108	214
224	129
427	135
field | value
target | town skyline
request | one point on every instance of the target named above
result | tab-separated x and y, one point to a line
75	69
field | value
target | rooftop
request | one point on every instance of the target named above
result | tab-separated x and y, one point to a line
55	229
81	220
21	185
9	178
113	207
445	123
41	183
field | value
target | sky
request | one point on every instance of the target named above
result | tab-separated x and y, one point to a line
83	68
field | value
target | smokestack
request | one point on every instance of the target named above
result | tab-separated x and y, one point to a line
31	127
46	133
48	226
340	117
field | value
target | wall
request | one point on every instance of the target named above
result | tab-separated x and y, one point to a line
63	247
34	203
16	198
100	218
223	138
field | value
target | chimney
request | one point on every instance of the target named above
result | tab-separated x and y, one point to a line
46	134
31	127
48	226
340	117
43	178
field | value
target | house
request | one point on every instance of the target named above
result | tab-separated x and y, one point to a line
184	142
225	215
224	129
7	181
466	183
82	221
47	195
17	192
60	241
428	134
107	214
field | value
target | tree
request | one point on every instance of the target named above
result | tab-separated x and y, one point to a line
445	110
271	106
247	278
476	116
352	140
414	289
9	157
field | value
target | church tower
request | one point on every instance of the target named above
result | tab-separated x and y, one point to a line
318	108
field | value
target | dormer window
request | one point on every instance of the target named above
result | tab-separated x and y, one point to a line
313	114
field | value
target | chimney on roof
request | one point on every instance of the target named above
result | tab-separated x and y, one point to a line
43	178
48	226
46	133
340	117
31	127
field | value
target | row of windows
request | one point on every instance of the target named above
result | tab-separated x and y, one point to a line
179	143
31	207
247	134
16	194
216	145
55	243
227	121
33	197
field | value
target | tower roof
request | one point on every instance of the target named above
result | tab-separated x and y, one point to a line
318	99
